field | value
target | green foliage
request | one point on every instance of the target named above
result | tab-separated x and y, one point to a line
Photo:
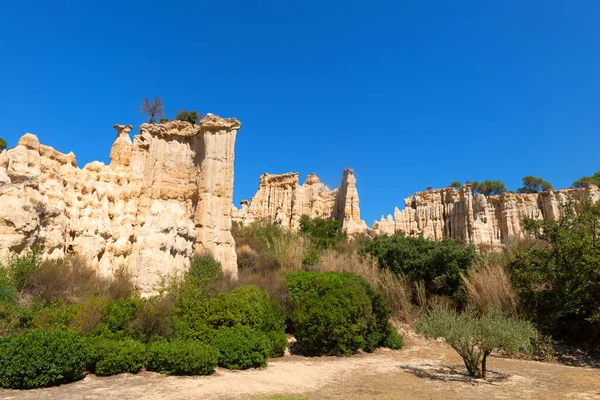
455	184
242	348
488	188
557	277
437	264
322	232
587	180
163	120
153	319
531	184
41	358
190	116
20	268
56	315
245	306
8	291
112	357
3	144
474	336
336	313
119	314
204	269
310	257
182	357
393	340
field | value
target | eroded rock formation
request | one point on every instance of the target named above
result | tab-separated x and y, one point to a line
283	200
478	219
165	195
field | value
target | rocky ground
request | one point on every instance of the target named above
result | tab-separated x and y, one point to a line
422	370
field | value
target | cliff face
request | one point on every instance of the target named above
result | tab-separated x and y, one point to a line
164	196
283	200
479	219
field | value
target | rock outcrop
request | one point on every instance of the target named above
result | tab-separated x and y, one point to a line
165	196
477	219
283	200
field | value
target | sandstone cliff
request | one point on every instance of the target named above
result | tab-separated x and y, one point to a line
165	195
479	219
283	200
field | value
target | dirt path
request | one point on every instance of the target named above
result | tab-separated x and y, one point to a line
422	370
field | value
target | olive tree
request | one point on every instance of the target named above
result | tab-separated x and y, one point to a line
475	336
531	184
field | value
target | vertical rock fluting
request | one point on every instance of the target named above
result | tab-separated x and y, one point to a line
477	219
283	200
164	196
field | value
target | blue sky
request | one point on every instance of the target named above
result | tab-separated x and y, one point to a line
410	94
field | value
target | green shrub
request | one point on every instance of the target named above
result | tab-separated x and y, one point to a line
330	313
393	340
556	277
323	232
310	257
21	268
153	319
279	342
474	337
247	306
182	358
8	291
88	315
112	357
56	315
41	358
438	264
303	283
3	144
242	348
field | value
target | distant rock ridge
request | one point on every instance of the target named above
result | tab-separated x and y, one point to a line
283	200
165	196
477	219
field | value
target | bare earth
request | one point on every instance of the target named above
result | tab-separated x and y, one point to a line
422	370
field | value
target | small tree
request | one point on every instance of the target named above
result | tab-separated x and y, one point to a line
488	188
531	184
456	184
154	108
475	336
587	180
190	116
3	144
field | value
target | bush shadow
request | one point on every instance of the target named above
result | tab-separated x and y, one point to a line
451	373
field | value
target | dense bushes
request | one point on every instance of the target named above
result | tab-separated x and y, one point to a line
557	276
111	357
438	264
336	313
182	358
242	347
41	358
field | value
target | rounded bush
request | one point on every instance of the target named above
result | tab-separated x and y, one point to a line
41	358
330	314
112	357
393	340
182	357
279	343
242	348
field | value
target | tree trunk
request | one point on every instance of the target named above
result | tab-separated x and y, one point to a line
483	362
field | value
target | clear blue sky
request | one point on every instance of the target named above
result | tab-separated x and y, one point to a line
410	94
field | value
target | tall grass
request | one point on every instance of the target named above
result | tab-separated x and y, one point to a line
488	285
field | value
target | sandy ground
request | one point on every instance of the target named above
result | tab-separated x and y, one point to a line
422	370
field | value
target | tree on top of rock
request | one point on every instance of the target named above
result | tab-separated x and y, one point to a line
3	144
153	108
587	180
193	117
488	188
531	184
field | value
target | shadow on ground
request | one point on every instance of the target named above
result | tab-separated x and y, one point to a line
451	373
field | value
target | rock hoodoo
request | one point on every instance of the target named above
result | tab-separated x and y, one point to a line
164	196
477	219
283	200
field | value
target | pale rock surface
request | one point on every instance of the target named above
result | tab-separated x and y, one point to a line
478	219
165	196
283	200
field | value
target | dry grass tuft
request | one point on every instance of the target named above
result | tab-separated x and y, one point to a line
488	286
